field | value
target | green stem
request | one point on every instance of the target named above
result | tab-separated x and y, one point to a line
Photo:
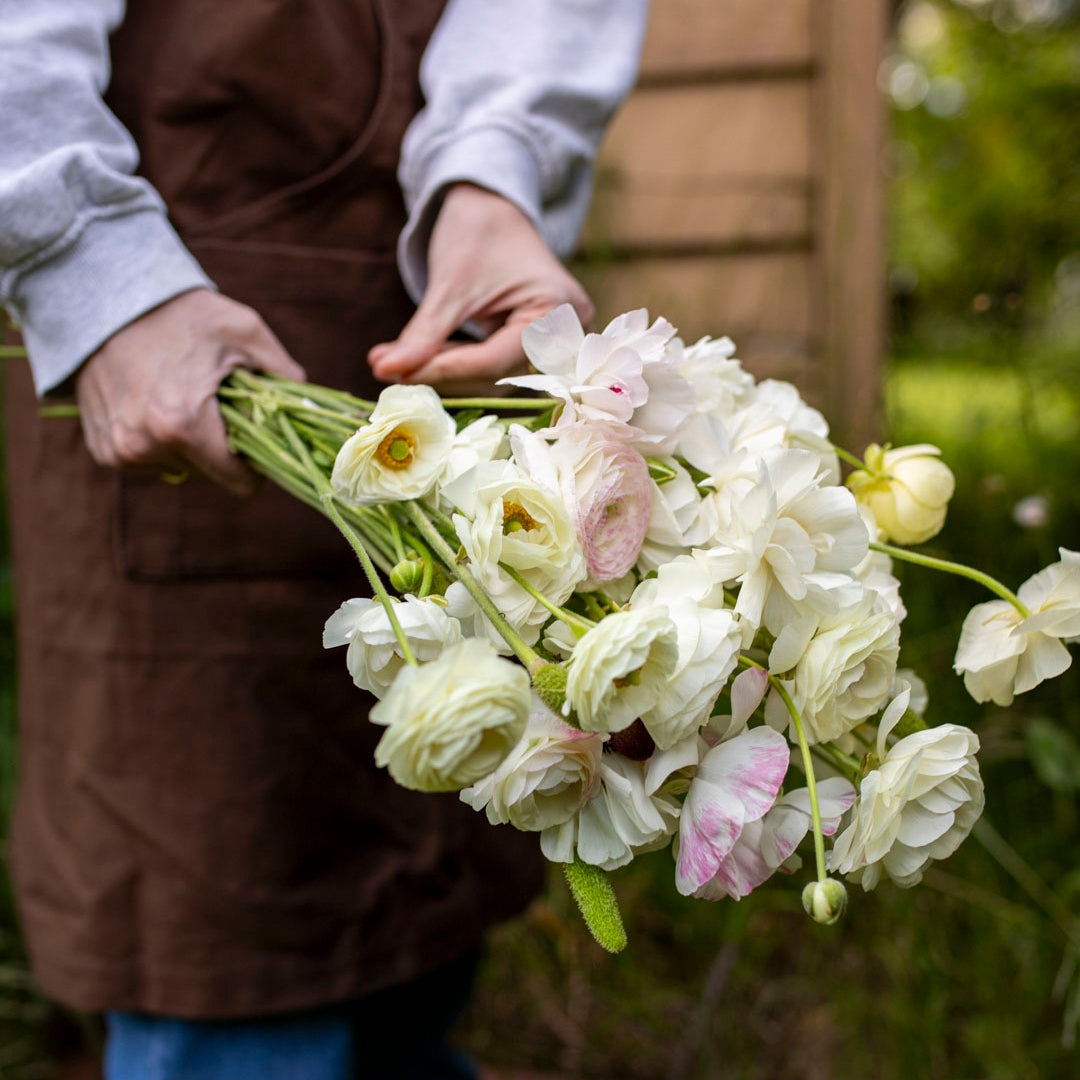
808	763
326	497
850	458
525	404
59	412
577	623
959	569
522	651
12	352
845	763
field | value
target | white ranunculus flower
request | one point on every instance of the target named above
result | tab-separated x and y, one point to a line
508	517
619	668
547	777
621	820
791	543
709	366
1002	654
709	638
875	571
918	805
845	671
473	445
597	376
907	489
451	722
674	507
374	656
399	453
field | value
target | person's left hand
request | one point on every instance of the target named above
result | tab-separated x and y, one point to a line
486	263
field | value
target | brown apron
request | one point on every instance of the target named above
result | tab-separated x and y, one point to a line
200	829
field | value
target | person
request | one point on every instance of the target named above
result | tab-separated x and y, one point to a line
202	847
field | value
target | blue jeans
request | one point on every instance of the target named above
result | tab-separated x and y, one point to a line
394	1034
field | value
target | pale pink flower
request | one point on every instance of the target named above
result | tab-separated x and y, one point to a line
736	783
765	845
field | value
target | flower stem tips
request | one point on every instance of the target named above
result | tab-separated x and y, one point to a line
596	900
825	901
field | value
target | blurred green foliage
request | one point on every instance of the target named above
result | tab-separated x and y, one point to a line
985	167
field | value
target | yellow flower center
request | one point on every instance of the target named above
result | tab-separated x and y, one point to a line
516	518
397	450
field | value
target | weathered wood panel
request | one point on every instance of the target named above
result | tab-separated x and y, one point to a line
849	298
762	296
688	38
691	166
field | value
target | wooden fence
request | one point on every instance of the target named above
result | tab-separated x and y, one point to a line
739	192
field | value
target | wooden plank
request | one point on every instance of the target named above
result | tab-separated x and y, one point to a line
690	37
774	216
756	296
849	299
688	166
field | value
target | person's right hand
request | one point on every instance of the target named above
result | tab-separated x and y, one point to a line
147	396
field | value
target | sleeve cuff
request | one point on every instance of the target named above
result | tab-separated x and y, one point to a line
118	269
491	158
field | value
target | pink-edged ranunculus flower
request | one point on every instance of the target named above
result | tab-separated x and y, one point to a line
765	845
546	778
597	376
735	784
606	485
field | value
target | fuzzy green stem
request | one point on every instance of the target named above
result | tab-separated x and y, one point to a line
808	763
959	569
442	549
597	903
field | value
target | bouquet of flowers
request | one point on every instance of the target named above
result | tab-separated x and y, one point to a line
643	610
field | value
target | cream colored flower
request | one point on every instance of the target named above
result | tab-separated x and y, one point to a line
399	453
508	517
845	671
907	490
708	636
374	657
620	668
622	819
1002	654
453	721
918	805
547	777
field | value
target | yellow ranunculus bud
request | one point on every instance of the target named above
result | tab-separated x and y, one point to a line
907	490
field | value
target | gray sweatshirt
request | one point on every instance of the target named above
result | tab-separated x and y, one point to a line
518	93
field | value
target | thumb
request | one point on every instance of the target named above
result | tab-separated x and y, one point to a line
423	337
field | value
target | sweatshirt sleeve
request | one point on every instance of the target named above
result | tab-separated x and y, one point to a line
518	94
85	246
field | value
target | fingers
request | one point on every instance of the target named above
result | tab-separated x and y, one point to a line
251	343
485	361
424	336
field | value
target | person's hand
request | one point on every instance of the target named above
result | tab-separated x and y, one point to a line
146	397
488	264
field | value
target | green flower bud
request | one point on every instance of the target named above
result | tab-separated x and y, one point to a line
549	682
407	575
825	901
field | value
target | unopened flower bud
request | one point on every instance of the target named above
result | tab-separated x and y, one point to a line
407	575
549	682
825	901
907	490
